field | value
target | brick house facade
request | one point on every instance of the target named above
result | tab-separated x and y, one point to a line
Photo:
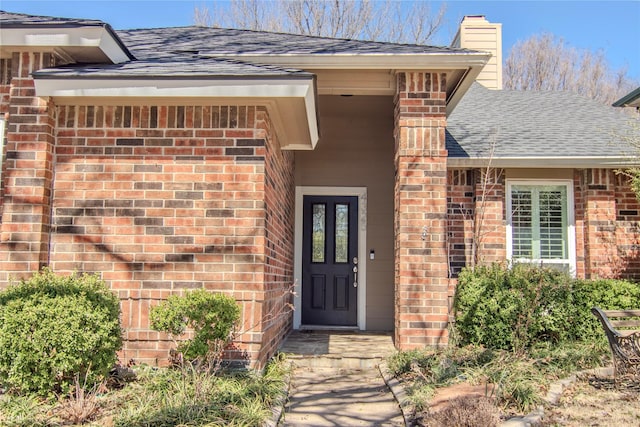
164	175
607	222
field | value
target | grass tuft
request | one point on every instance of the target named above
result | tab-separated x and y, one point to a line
517	382
160	397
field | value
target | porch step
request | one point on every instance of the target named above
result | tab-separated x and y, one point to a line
324	349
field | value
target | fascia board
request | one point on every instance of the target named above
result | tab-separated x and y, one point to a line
360	61
544	162
61	37
631	99
291	102
123	87
462	86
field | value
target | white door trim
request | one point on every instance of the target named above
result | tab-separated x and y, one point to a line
361	193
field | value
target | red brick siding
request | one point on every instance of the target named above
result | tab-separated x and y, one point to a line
611	226
27	170
162	199
279	245
607	215
580	217
157	199
460	218
421	277
627	228
476	217
598	193
489	210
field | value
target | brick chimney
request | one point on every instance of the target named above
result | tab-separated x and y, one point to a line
476	33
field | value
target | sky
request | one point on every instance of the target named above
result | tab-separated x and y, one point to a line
608	25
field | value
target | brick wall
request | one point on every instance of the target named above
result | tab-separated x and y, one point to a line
163	199
627	228
277	319
460	218
421	277
5	98
158	199
27	170
607	218
611	236
475	217
580	210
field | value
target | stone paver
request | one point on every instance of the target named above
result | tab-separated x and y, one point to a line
340	397
336	381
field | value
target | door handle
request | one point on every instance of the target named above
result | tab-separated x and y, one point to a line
355	276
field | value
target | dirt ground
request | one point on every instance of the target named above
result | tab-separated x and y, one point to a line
595	401
590	401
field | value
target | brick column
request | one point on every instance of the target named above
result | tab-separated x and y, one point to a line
28	173
421	278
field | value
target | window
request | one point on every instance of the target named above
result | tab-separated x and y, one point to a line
540	224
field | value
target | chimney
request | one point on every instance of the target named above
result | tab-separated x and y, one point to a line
476	33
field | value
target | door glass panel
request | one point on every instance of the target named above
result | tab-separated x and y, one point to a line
342	233
318	235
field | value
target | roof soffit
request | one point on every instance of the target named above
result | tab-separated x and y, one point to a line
82	44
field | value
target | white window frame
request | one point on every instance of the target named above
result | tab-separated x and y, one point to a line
571	221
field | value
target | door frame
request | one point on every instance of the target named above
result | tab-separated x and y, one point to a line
361	193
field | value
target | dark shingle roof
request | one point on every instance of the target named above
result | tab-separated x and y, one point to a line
200	51
527	124
178	67
21	20
12	20
153	42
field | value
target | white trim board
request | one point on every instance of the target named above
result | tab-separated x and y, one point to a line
361	193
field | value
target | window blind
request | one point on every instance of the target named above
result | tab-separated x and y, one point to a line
539	222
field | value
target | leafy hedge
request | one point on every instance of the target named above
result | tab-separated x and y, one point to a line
514	308
54	328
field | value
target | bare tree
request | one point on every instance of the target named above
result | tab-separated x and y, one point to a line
544	62
631	138
392	21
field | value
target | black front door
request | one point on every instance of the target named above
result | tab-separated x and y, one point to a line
329	260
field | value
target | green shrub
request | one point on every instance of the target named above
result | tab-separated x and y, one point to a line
55	328
510	308
212	317
514	308
608	294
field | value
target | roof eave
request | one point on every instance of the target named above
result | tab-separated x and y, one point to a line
291	102
101	37
585	162
461	87
630	100
364	61
471	62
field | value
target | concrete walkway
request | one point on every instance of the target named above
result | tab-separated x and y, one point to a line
336	381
